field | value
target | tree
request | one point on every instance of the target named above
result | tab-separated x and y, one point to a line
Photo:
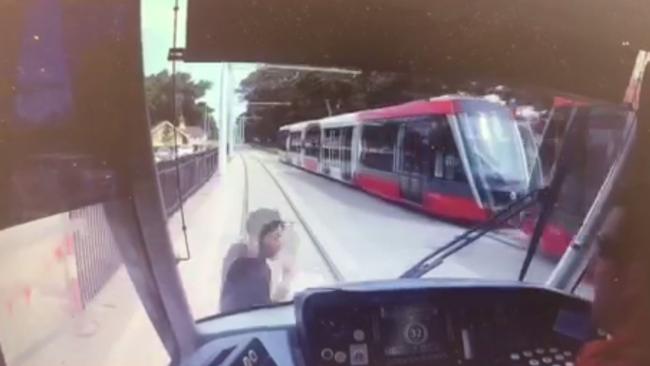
158	90
315	94
311	94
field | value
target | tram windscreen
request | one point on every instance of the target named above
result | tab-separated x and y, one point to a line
355	149
495	149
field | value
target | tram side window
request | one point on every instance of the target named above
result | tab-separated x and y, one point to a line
552	139
325	147
312	141
378	145
294	142
336	143
593	156
282	140
414	144
446	162
331	144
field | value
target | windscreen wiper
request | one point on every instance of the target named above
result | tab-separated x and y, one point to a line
437	257
574	138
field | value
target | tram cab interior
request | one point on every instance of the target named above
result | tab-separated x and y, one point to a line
93	108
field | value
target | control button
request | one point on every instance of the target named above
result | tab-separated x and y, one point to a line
416	333
515	357
539	351
567	353
568	363
553	350
547	359
358	354
559	357
340	357
327	354
527	354
533	362
252	355
359	335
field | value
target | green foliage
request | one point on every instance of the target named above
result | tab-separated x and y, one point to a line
311	92
158	90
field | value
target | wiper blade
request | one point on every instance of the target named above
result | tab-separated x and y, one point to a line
437	257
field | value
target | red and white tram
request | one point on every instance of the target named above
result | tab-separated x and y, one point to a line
455	157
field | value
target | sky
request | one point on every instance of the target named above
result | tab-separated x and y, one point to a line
157	33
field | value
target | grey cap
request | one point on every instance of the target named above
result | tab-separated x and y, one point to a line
258	219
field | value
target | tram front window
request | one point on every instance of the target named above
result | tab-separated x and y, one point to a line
495	150
347	166
357	146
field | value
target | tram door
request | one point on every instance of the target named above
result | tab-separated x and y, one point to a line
414	159
346	153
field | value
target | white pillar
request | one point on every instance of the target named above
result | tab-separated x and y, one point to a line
232	130
223	122
242	130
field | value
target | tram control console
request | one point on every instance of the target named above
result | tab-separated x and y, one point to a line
415	323
450	326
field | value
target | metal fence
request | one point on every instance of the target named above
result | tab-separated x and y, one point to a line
96	254
194	169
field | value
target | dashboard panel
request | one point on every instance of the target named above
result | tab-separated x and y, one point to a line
404	322
486	325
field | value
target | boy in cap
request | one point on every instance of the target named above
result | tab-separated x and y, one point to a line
247	274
